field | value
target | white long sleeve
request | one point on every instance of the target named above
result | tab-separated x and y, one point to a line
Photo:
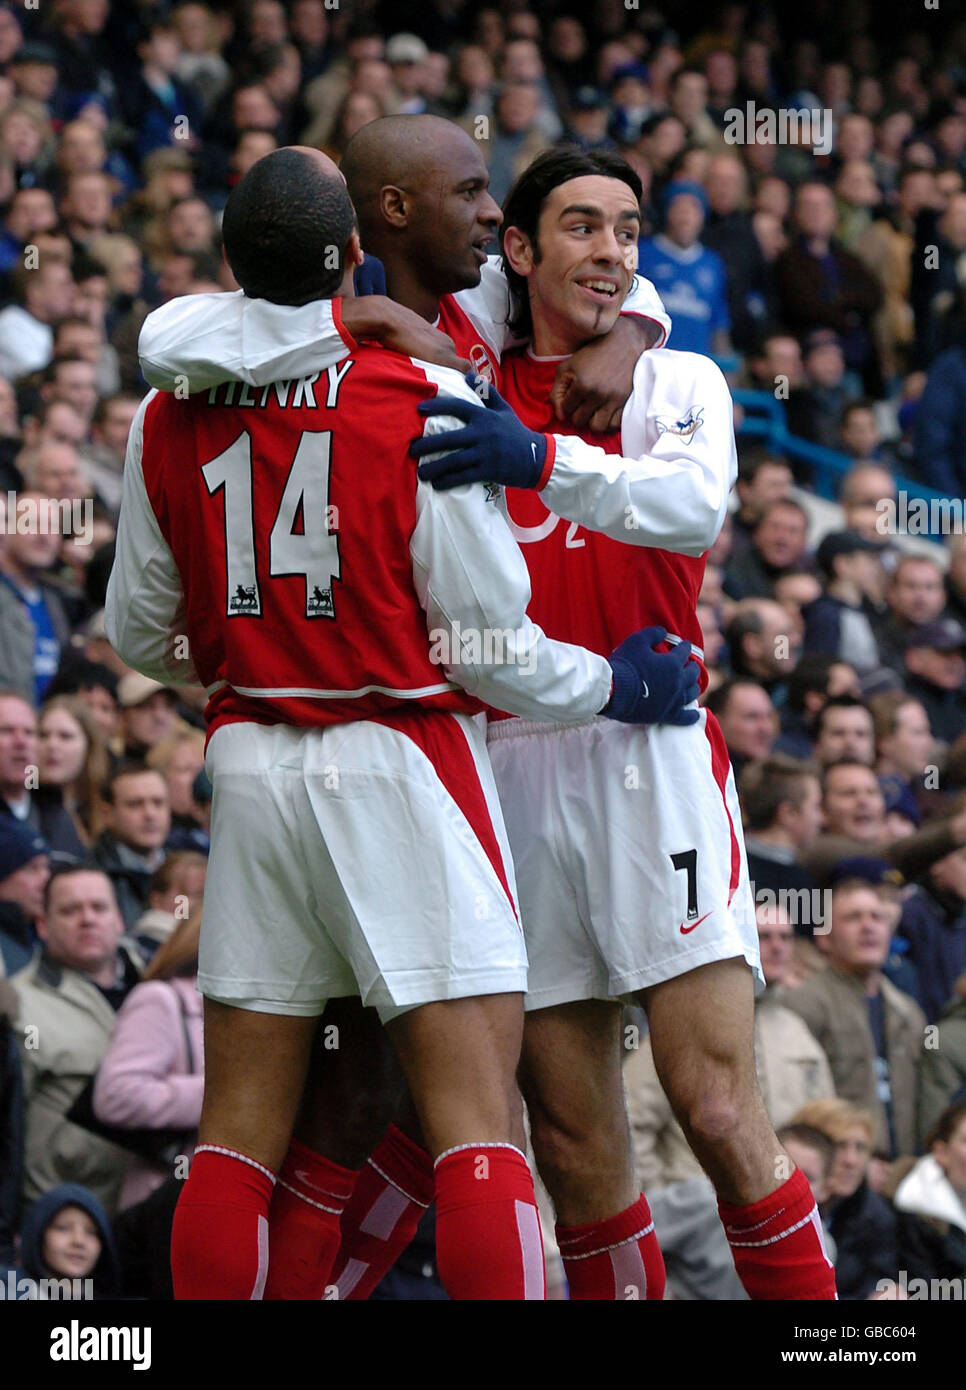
472	580
670	488
199	340
144	612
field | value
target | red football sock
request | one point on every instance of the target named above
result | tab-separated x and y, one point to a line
380	1219
778	1246
219	1237
303	1224
614	1259
488	1241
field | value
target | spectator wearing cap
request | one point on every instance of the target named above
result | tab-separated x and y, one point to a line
821	285
631	101
844	729
148	713
781	808
934	924
838	623
18	780
936	671
914	595
68	999
779	546
33	71
587	118
24	871
690	279
406	54
130	850
870	1031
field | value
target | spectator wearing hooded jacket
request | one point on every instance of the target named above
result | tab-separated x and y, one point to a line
66	1235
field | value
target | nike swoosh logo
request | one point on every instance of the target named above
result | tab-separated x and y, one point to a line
684	930
303	1177
533	450
645	689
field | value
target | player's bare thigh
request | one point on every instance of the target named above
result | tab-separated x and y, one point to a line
460	1059
702	1029
570	1075
354	1087
255	1069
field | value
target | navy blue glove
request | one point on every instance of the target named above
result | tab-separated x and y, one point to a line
370	277
652	687
495	446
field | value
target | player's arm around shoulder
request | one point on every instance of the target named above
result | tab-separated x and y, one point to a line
472	580
669	485
144	607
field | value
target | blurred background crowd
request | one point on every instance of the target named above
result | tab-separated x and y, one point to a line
827	275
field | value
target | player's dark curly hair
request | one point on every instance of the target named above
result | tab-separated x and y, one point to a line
286	228
524	204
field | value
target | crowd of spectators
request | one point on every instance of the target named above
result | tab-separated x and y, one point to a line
827	269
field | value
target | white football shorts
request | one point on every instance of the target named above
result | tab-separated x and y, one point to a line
628	853
357	859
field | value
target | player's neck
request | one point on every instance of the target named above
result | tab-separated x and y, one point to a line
405	288
553	339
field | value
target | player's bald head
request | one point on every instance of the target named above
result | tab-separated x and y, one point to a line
408	152
287	225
